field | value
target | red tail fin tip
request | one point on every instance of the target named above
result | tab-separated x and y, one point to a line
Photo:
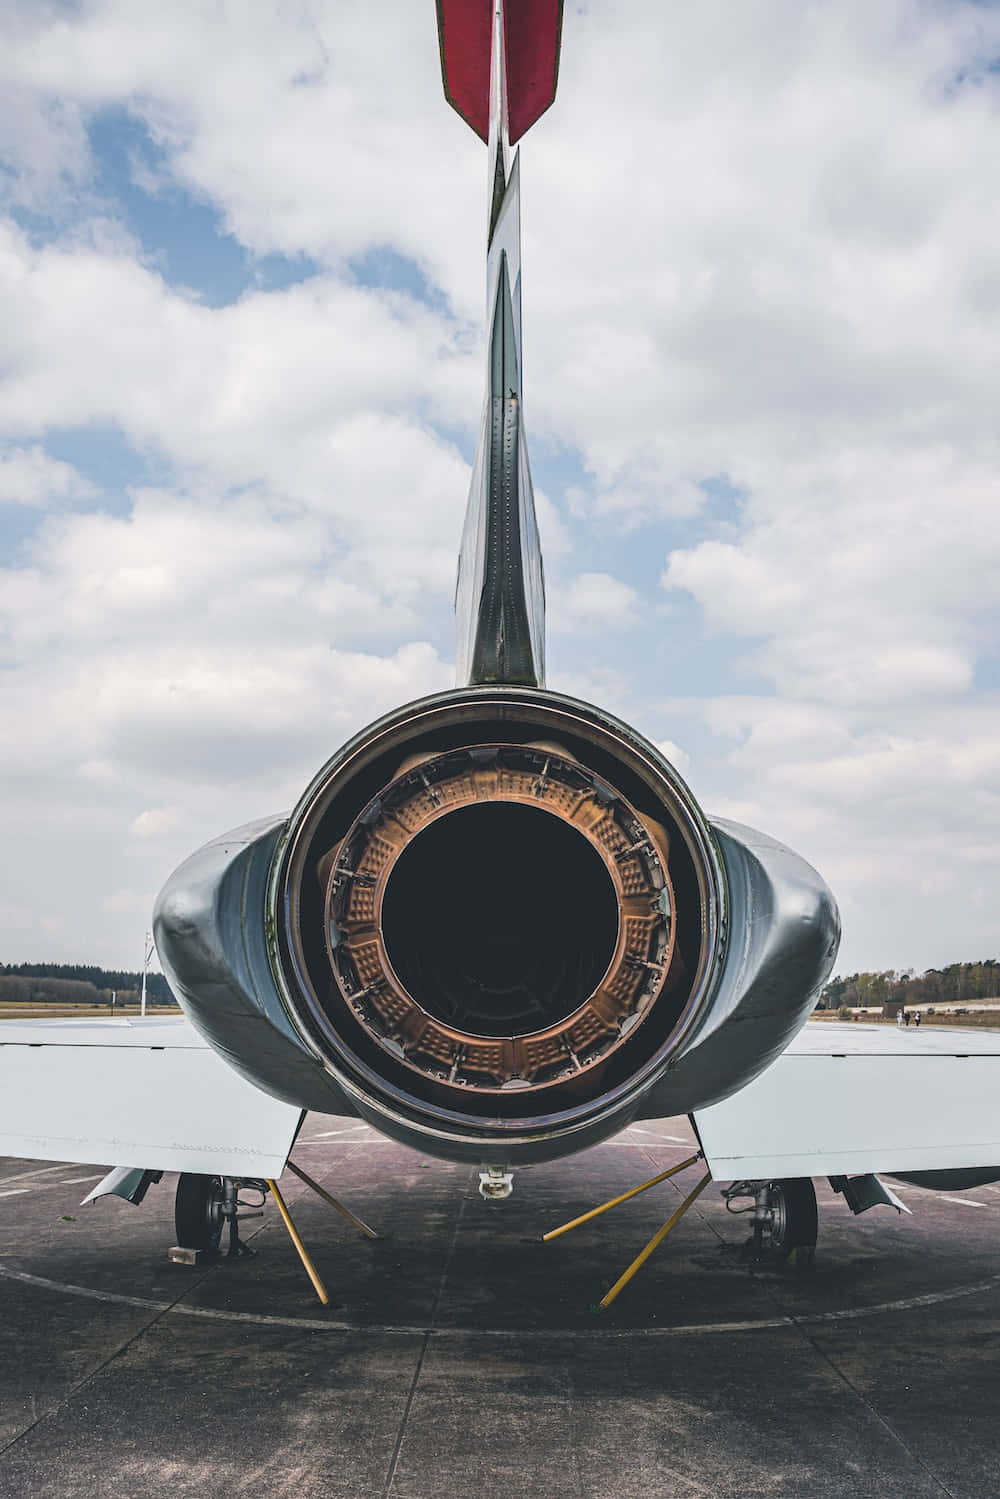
533	36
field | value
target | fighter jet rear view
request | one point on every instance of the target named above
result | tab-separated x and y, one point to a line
497	926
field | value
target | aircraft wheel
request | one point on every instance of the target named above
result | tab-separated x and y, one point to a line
795	1223
198	1215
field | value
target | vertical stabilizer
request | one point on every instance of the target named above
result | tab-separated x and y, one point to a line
500	600
532	34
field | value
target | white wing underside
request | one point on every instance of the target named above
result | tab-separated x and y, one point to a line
147	1093
848	1099
842	1100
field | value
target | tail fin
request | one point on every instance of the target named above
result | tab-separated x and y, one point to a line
500	600
533	30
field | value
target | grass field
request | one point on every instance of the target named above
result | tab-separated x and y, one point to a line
986	1020
9	1011
983	1020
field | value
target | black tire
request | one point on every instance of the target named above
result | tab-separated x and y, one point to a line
198	1211
795	1222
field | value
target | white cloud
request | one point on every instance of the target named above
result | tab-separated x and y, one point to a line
890	818
858	575
761	311
153	823
130	903
96	336
28	476
677	757
593	602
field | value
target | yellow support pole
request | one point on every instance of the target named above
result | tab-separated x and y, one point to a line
655	1241
554	1233
296	1239
321	1192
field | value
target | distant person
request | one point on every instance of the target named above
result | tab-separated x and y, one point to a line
907	1017
899	1020
917	1017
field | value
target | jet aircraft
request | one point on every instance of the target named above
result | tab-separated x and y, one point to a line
498	927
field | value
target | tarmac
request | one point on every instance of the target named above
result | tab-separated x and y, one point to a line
462	1358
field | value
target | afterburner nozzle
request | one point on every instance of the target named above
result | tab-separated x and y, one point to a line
499	918
495	910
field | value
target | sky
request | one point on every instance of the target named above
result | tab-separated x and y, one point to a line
241	369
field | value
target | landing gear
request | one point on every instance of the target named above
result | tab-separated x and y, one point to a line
198	1215
784	1222
203	1206
794	1221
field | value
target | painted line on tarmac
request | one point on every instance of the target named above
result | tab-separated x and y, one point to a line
64	1181
693	1329
354	1140
331	1134
23	1176
674	1139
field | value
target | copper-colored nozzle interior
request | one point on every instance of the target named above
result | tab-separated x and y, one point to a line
499	918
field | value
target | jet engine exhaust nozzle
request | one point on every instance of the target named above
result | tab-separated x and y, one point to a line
500	919
495	905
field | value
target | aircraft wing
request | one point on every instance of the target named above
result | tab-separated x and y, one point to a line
149	1093
848	1098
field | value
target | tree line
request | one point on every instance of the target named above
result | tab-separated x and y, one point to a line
890	990
84	983
78	984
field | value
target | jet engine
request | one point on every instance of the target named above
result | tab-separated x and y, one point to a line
498	927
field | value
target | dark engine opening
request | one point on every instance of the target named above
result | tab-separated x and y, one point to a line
499	919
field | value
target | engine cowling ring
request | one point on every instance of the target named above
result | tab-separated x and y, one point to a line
520	728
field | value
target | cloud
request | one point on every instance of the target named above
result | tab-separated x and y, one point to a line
154	822
891	818
677	757
593	602
858	582
129	903
761	312
28	476
97	336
